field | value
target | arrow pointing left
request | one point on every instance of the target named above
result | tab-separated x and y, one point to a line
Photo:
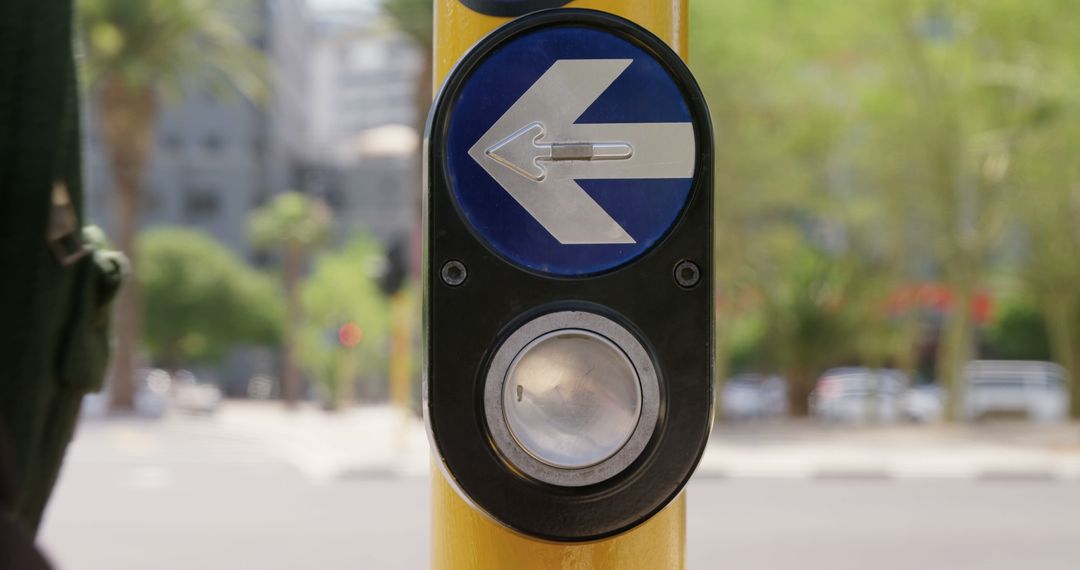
523	151
536	151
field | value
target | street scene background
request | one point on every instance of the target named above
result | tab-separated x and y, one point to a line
897	252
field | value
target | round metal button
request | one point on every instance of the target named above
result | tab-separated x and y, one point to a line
571	399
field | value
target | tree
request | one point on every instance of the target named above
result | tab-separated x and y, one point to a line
906	138
293	224
950	101
136	51
779	124
1046	176
200	300
1019	332
342	292
811	320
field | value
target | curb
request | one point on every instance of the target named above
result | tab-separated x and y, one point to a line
827	474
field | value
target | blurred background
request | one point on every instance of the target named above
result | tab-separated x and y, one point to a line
898	316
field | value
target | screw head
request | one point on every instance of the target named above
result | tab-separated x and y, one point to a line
453	273
687	274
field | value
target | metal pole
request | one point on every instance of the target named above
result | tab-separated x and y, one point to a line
461	537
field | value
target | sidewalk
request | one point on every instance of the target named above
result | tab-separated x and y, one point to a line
804	449
371	441
378	441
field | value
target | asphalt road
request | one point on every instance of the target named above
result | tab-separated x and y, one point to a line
214	501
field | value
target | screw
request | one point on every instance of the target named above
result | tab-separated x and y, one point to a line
453	273
687	274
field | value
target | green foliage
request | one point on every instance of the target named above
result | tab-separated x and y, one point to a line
746	347
898	141
295	225
342	289
414	17
811	314
1019	332
199	299
167	44
290	219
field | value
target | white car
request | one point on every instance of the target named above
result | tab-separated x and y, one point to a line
858	395
1031	389
923	403
746	396
152	392
192	396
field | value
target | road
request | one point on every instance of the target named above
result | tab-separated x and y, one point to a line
180	496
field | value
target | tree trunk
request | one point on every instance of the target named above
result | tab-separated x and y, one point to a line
800	385
340	391
955	350
174	358
1060	312
127	123
290	378
1074	378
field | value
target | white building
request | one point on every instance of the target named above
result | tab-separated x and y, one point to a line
362	141
363	75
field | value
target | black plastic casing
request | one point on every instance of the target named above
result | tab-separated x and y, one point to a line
465	324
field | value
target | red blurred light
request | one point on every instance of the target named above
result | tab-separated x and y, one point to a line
349	335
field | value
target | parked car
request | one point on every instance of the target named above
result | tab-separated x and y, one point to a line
152	392
858	394
923	403
191	395
747	396
1030	389
151	397
261	387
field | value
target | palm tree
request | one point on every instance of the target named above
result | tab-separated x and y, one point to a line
294	224
136	52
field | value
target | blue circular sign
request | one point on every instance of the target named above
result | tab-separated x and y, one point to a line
570	150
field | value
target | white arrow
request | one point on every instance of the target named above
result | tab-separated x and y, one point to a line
535	151
523	151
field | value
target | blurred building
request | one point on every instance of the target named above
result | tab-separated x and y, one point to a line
363	76
381	186
288	44
338	125
362	143
218	156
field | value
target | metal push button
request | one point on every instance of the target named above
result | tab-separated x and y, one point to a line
572	399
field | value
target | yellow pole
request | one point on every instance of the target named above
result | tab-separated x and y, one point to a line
457	27
400	355
461	537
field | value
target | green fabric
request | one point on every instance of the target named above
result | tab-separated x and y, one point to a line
53	316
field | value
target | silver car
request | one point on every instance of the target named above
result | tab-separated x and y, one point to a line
923	403
192	396
1031	389
747	396
858	395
